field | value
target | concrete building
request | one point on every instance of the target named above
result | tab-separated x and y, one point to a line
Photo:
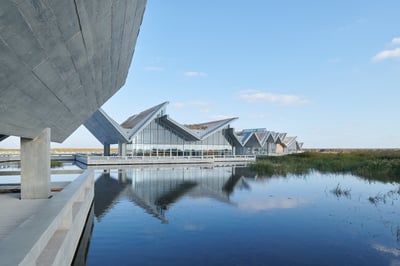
260	141
153	133
60	60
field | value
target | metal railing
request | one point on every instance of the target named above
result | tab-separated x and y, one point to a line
94	159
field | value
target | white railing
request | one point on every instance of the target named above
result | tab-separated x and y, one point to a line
9	157
105	160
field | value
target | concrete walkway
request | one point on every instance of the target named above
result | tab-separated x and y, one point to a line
15	212
44	231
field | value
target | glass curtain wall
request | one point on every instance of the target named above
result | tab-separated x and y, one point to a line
157	139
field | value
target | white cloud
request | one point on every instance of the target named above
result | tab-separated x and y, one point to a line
257	205
396	40
195	74
154	68
384	249
386	54
204	106
254	96
220	117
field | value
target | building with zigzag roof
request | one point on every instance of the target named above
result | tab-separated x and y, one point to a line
153	133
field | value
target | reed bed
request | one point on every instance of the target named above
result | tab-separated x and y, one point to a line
374	165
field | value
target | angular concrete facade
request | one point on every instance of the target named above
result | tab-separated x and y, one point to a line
60	60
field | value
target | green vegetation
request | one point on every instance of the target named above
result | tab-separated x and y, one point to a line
339	191
383	165
383	198
55	163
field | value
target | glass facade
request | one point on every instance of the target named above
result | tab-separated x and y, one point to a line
158	139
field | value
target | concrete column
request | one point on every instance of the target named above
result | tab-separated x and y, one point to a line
106	149
35	166
122	149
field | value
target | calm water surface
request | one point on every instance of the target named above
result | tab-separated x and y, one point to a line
227	216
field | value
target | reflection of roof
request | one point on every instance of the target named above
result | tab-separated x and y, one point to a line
106	190
149	208
156	193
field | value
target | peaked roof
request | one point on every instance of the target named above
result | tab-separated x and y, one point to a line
180	129
261	135
244	136
136	123
105	129
287	141
203	130
299	145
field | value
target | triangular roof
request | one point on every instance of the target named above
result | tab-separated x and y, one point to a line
136	123
244	136
252	140
268	137
299	145
287	141
204	130
105	129
180	129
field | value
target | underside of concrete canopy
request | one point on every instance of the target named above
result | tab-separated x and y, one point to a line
60	60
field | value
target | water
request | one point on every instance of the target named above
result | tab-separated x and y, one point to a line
227	216
16	178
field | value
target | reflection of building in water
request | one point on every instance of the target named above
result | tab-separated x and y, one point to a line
156	189
106	191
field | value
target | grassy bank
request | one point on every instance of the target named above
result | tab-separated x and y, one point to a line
374	165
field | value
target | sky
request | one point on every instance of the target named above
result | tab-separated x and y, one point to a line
327	72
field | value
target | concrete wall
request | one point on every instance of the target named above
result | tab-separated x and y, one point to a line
60	60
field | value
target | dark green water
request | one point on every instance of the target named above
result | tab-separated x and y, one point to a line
227	216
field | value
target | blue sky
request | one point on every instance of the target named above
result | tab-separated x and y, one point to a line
327	72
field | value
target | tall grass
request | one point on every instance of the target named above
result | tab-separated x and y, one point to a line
373	165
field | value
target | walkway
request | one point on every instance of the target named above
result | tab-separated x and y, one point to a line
44	231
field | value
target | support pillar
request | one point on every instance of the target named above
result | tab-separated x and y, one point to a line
106	149
121	149
35	166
